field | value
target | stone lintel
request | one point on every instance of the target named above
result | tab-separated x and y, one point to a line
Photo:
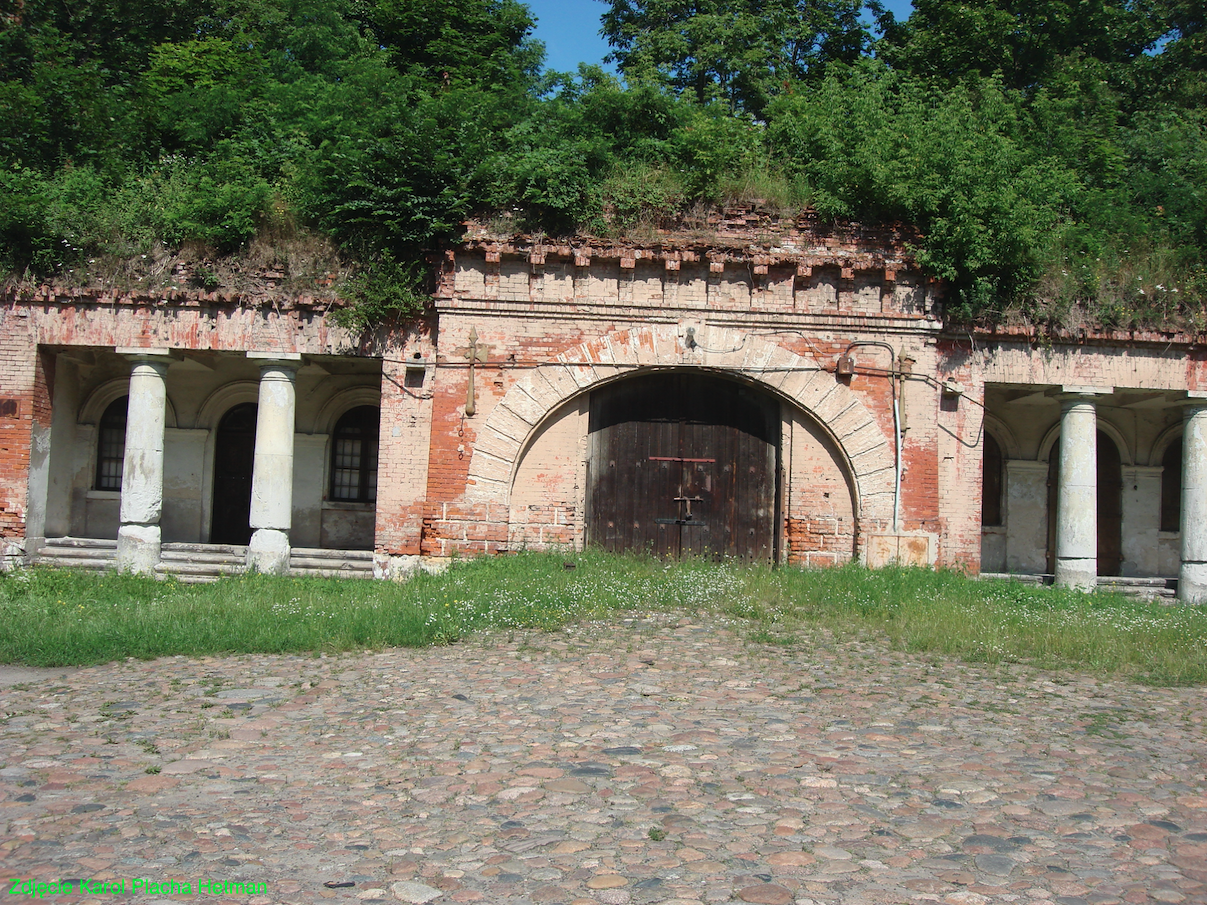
1027	465
1141	471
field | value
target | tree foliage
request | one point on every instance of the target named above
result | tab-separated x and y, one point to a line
742	52
1052	154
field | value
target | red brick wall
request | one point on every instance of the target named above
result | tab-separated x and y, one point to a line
23	396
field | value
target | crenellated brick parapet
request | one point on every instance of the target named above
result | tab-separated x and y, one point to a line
790	266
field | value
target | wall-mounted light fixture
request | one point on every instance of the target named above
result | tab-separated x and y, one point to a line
416	370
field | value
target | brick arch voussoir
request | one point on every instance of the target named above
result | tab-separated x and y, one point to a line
532	399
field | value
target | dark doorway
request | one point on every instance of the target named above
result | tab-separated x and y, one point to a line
991	483
1110	505
1171	487
684	465
234	457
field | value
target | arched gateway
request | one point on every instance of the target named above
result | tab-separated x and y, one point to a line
683	464
592	391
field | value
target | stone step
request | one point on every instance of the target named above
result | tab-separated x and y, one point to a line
1020	578
324	553
316	562
87	554
203	562
76	563
72	554
218	559
177	548
1132	586
1130	581
200	568
330	562
69	543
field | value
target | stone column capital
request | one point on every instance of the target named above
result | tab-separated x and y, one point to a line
136	355
1070	396
276	361
1195	401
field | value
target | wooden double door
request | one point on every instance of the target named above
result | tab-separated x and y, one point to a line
684	465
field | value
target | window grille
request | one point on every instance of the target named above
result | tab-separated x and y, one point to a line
111	446
354	455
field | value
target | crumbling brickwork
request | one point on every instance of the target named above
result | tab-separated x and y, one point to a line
486	403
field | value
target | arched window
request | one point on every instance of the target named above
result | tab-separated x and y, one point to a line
1171	487
111	446
354	455
991	483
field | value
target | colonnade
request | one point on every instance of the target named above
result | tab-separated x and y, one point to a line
1077	507
139	537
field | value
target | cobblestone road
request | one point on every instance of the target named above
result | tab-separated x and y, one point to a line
655	760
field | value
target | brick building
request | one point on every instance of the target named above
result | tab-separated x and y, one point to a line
767	390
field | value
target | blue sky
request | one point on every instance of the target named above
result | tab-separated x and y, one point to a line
570	30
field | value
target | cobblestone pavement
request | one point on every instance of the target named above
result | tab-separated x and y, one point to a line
652	760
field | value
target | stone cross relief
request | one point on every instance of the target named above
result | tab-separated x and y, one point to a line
474	353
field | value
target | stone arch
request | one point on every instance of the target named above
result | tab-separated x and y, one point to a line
1171	434
333	409
224	398
1100	424
801	380
101	396
1048	442
1003	435
1126	453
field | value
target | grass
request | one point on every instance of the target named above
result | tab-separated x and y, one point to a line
55	618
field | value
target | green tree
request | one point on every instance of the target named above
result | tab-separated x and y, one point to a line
877	145
743	52
1023	40
458	43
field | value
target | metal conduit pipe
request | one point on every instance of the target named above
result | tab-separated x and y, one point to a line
895	375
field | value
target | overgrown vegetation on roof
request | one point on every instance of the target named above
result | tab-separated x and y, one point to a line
1052	154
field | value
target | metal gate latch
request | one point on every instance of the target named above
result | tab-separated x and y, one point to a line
689	500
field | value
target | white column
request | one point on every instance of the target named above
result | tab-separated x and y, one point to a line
272	473
1192	577
1077	505
138	537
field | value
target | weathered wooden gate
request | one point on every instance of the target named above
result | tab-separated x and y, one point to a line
684	465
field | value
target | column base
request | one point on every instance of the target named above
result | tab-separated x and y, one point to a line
268	552
138	549
13	554
1078	574
1192	582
